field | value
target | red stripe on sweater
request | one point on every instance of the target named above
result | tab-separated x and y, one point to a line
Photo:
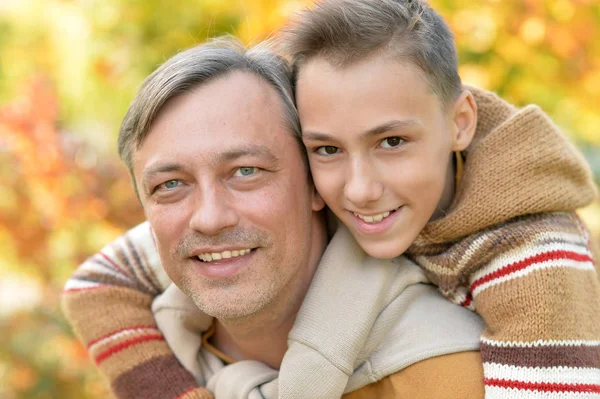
543	386
525	263
467	300
70	290
112	262
146	327
126	344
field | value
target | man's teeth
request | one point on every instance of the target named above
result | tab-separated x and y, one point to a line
372	219
209	257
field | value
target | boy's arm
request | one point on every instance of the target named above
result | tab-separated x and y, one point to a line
107	301
534	283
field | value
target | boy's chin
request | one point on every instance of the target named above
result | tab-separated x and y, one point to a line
382	249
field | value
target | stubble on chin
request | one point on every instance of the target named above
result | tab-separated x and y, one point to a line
234	299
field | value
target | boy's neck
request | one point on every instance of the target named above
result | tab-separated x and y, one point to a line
448	193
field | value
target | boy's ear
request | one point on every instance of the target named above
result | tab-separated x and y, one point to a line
317	202
465	121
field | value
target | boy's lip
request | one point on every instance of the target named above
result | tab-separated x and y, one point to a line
373	214
375	227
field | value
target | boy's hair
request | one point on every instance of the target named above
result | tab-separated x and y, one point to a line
344	31
195	67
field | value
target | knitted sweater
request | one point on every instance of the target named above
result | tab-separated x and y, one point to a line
512	249
400	318
530	277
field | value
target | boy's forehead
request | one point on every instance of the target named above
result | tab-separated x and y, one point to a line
383	70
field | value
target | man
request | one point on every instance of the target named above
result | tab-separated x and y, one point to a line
213	145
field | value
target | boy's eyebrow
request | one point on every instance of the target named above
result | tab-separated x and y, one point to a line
390	125
375	131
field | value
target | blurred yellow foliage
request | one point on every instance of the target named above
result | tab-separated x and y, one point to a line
68	70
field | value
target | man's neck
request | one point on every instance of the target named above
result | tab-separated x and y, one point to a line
258	338
263	336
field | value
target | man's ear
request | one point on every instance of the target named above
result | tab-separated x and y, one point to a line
317	202
465	121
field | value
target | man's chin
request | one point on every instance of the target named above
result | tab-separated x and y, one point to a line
229	306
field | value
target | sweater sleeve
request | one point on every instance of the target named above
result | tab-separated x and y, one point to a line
534	282
108	302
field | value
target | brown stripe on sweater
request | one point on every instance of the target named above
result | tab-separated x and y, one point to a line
122	249
150	271
517	227
161	378
137	258
109	279
136	313
547	304
508	236
543	356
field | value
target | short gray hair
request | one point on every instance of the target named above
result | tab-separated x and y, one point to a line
344	31
194	67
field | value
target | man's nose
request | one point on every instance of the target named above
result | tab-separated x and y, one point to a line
212	212
362	184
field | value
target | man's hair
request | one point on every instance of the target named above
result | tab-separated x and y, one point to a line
194	67
344	31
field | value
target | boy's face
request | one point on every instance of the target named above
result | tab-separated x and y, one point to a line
380	147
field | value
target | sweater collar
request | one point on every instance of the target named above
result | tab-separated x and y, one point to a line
518	163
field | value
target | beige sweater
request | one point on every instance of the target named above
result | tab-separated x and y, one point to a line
400	317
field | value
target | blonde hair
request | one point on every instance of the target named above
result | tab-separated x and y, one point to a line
344	31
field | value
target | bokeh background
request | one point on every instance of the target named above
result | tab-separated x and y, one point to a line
68	70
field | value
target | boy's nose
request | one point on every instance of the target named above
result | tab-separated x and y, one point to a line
362	186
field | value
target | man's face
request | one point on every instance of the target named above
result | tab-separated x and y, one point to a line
225	189
379	144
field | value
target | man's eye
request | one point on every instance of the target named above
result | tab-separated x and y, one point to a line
245	171
391	142
327	150
171	184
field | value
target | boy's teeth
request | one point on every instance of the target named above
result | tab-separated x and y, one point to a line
372	219
209	257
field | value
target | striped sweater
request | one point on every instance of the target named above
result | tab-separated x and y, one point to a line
107	301
509	248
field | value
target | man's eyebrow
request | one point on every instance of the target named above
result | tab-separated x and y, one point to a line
154	170
255	150
375	131
252	150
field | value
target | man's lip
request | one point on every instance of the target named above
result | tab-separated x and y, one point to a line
201	251
224	268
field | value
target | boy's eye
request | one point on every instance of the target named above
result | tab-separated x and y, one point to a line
391	142
245	171
327	150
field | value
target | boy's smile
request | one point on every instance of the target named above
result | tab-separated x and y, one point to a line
380	145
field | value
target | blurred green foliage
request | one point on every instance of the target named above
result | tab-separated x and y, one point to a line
68	70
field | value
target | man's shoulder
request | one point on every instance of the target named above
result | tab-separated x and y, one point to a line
456	375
